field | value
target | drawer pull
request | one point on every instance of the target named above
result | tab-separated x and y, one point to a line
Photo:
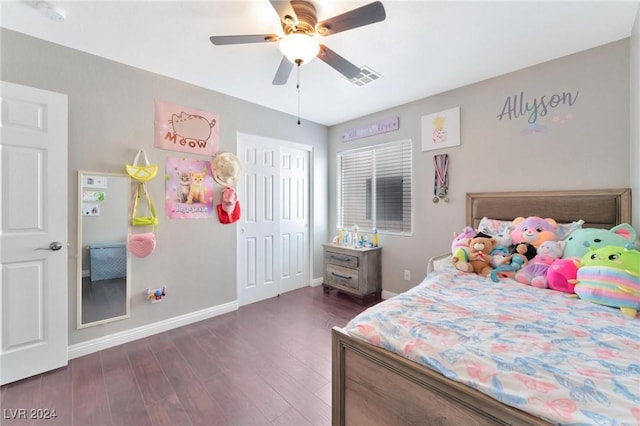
341	276
342	259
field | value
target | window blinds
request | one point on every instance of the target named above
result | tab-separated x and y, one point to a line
375	187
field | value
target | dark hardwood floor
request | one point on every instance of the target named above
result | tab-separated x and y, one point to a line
269	363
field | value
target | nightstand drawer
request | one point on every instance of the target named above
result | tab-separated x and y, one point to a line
341	259
341	276
353	271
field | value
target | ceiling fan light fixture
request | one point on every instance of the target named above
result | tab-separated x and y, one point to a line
299	48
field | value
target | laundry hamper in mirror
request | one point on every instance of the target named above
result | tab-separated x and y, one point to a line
108	261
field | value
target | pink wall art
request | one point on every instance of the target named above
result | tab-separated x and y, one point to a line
441	129
185	129
188	188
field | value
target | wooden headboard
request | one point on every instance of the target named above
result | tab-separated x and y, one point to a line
599	208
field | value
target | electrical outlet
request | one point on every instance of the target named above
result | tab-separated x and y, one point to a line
407	275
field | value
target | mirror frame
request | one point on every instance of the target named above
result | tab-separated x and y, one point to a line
127	314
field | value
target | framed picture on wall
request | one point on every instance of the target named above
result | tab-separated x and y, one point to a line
441	129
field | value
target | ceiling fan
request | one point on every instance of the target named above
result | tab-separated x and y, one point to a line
300	25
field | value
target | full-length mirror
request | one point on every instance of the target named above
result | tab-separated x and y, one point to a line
103	260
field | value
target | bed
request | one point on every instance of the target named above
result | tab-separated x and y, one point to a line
374	383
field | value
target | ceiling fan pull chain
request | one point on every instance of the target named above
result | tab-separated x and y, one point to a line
298	87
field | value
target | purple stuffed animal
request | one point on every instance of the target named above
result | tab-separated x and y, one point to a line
534	273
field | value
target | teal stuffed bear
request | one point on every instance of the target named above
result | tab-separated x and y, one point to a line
581	241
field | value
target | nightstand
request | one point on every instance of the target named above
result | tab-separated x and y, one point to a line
353	271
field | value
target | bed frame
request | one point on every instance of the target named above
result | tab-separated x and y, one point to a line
373	386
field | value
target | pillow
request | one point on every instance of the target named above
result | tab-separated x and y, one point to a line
564	229
494	226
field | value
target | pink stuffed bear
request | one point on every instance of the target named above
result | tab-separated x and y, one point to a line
534	273
534	230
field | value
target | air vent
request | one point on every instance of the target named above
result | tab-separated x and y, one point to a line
366	76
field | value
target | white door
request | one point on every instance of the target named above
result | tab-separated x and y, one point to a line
294	218
33	231
273	232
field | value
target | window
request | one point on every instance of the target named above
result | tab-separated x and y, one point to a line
374	188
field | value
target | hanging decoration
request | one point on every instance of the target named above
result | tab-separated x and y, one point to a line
141	169
226	168
441	178
185	129
229	207
441	129
383	126
188	188
142	244
152	218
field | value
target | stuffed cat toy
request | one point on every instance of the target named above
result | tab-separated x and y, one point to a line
610	276
196	190
580	241
534	230
501	250
535	272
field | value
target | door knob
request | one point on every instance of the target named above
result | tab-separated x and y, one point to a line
54	246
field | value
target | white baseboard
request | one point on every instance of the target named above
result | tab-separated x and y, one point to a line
105	342
316	282
387	294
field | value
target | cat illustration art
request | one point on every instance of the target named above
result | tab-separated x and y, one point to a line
194	127
196	189
185	187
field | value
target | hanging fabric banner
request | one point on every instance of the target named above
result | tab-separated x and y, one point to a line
185	129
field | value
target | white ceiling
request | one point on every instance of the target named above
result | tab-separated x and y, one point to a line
421	49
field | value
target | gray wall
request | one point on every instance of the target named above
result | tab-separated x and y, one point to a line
634	157
590	150
111	113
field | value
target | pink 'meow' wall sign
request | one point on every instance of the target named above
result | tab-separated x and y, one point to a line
184	129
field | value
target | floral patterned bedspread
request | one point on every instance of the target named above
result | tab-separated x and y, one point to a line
557	357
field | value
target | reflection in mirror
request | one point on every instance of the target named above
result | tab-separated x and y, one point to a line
103	260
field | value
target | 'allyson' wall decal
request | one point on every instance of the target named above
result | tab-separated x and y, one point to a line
515	106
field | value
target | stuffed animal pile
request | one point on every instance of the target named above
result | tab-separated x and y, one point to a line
598	265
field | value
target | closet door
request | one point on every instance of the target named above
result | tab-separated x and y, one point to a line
273	232
33	234
294	218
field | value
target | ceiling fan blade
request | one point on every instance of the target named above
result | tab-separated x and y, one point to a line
337	62
365	15
242	39
285	11
283	72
